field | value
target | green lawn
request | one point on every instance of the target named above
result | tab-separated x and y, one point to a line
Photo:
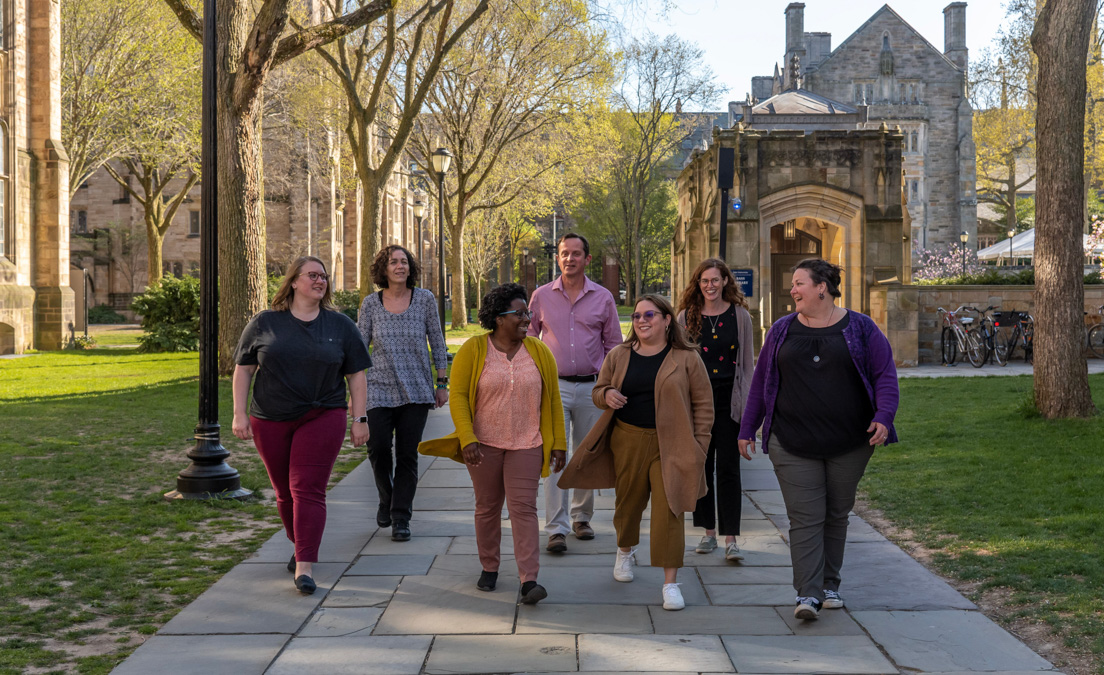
115	335
93	557
1011	502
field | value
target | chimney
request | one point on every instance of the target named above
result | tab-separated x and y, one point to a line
954	34
795	40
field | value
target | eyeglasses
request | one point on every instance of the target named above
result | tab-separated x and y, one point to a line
710	282
316	276
521	313
648	316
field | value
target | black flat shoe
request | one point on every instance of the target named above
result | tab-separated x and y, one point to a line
305	584
383	516
487	581
291	564
532	593
400	531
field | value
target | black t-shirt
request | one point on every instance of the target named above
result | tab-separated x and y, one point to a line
301	364
639	388
822	409
720	342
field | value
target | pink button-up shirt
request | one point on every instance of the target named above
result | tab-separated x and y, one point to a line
580	334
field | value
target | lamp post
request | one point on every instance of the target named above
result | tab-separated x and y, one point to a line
1011	233
84	271
442	160
525	268
963	238
208	475
419	211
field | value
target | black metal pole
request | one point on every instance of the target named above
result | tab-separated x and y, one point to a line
441	248
421	244
722	244
208	475
963	258
84	271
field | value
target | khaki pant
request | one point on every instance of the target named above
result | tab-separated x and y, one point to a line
636	463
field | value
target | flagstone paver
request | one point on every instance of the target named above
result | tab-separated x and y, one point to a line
412	608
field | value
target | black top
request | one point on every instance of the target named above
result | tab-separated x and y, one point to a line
822	409
720	342
302	364
639	388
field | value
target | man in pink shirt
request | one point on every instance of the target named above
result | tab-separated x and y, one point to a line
578	321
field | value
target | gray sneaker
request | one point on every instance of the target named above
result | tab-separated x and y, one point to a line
706	545
732	552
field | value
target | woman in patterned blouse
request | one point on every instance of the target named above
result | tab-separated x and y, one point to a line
395	323
715	314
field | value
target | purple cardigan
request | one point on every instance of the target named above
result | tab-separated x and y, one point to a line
869	350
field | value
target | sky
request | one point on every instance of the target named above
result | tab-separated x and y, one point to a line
744	38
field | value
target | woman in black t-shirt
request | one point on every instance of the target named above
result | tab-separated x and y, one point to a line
714	312
303	351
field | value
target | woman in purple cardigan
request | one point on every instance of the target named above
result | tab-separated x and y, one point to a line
825	392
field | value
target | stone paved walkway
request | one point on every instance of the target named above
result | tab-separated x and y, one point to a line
412	608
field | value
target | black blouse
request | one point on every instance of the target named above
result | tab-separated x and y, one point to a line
639	388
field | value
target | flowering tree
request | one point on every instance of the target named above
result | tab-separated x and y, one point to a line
944	263
1094	245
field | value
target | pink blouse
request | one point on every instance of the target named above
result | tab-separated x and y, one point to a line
507	401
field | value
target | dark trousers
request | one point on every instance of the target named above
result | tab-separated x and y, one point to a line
299	456
722	505
819	493
397	477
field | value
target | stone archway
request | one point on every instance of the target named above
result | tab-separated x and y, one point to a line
837	214
7	339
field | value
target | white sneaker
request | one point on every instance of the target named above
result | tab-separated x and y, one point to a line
672	597
832	600
732	552
623	565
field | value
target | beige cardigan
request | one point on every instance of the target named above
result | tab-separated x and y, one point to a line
684	420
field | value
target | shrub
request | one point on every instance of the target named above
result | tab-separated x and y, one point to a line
104	314
274	281
82	342
170	316
348	302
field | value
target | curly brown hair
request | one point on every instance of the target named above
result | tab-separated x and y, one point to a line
692	299
379	266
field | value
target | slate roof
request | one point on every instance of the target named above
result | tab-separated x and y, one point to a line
801	102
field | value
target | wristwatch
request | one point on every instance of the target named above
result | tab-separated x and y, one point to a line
362	418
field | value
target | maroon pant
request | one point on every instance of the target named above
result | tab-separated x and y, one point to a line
299	455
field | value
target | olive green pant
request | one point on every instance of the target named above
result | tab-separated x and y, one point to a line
636	463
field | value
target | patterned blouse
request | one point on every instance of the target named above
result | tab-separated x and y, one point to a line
507	407
400	371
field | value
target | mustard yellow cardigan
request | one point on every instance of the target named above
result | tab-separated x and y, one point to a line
467	366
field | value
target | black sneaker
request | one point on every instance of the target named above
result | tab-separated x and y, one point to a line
808	609
383	516
532	593
400	531
487	581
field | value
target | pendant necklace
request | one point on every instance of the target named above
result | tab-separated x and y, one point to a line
816	357
712	322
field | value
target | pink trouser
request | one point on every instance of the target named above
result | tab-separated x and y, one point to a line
299	455
513	476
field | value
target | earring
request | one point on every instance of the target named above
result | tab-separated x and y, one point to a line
820	295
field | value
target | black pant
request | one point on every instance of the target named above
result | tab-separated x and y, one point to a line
723	453
396	481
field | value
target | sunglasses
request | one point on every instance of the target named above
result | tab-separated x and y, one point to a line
316	276
522	313
647	316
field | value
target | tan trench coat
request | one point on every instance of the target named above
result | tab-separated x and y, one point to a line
684	421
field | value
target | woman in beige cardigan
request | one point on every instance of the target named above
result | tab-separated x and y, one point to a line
650	441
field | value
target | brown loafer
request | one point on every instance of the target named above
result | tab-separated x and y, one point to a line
557	543
583	530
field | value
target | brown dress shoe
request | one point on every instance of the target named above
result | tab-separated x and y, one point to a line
583	530
557	543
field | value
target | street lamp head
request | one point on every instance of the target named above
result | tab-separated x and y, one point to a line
964	237
419	208
442	160
525	252
1011	233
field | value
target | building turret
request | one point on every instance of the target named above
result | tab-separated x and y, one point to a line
954	34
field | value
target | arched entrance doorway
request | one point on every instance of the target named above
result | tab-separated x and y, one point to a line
789	246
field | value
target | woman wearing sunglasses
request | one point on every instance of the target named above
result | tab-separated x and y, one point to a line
651	440
509	432
303	352
714	313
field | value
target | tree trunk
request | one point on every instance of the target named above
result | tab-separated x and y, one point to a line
1061	40
456	269
370	226
154	243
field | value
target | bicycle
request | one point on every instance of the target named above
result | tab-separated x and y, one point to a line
995	348
1095	337
956	338
1021	333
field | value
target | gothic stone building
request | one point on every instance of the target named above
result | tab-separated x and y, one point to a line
36	303
857	154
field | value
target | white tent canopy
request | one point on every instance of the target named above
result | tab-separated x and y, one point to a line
1023	246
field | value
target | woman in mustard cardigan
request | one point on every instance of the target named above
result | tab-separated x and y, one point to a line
509	432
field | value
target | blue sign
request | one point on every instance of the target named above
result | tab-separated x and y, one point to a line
745	278
737	204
